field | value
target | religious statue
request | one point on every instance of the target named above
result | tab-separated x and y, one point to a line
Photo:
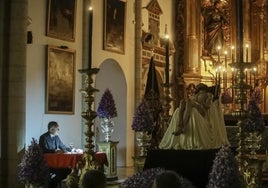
214	22
198	122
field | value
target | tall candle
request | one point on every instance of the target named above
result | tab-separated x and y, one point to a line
254	76
246	52
233	82
232	54
167	56
90	18
219	48
219	81
239	29
225	70
246	70
216	77
250	79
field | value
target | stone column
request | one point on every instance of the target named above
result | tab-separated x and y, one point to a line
13	85
138	54
138	50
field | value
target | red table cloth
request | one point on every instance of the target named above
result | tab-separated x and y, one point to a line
69	160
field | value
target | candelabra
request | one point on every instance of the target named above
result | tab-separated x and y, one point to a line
89	115
249	168
166	85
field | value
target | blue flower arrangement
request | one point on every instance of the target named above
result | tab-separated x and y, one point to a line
106	108
143	120
33	168
225	172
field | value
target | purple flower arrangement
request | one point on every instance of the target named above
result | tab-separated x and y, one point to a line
143	120
146	178
256	95
142	179
106	108
33	168
225	172
254	121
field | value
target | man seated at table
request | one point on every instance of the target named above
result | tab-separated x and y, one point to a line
50	143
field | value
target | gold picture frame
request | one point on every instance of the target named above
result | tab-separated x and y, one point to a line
60	80
61	16
114	26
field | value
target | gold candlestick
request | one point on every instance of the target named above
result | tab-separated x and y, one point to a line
89	115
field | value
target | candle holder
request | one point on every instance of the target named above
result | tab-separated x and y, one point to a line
167	99
249	167
89	115
166	105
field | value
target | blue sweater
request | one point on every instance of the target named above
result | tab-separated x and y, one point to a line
51	144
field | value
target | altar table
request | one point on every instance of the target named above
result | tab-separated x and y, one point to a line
69	160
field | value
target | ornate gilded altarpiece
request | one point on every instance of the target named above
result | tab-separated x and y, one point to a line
190	31
195	61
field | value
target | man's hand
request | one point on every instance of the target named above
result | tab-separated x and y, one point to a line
59	151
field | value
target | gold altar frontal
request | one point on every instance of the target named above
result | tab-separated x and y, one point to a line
110	148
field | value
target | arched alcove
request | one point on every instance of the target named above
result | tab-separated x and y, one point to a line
111	76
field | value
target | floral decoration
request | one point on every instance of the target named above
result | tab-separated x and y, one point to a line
256	95
254	121
225	172
142	179
106	108
33	168
146	178
143	120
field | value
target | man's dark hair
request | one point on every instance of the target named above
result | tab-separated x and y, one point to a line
52	124
94	178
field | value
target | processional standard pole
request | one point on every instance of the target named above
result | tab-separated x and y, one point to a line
248	167
240	86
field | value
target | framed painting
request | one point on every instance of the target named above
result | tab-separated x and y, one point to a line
114	25
61	17
60	80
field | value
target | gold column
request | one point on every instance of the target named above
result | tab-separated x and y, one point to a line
192	46
262	70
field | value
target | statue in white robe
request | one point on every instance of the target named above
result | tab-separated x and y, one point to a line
198	123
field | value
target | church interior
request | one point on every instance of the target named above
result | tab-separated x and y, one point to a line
146	61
